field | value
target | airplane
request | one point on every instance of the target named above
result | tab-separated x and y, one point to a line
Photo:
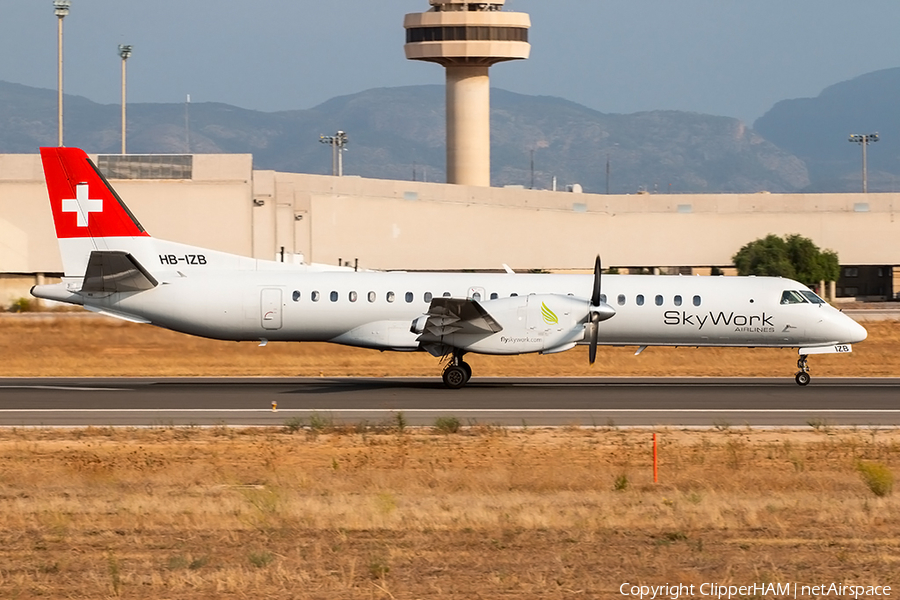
114	267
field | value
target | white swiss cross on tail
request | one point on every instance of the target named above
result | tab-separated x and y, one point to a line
82	205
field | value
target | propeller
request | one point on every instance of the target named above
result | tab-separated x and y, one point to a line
599	311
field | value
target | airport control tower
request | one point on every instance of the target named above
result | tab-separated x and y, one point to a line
467	38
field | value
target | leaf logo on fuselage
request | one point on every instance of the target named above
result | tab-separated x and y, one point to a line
550	317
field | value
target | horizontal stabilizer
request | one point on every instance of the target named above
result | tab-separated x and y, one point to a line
110	271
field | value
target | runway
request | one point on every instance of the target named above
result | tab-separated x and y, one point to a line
602	402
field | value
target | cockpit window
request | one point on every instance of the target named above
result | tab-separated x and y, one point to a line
812	297
792	297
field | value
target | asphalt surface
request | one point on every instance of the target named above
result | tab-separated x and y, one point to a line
706	402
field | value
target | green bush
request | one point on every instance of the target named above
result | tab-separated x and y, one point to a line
447	424
260	559
293	425
22	305
877	477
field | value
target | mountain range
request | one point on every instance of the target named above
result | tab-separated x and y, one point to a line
398	133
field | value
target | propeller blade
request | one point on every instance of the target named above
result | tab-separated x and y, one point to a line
595	334
595	295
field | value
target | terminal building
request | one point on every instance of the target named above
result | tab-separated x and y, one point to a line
221	202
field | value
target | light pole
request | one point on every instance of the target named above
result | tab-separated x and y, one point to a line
60	9
864	140
337	142
124	52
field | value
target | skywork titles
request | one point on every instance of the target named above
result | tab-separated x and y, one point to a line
751	323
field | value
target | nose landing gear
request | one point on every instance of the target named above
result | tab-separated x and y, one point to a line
457	373
802	377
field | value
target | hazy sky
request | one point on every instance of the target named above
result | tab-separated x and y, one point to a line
725	57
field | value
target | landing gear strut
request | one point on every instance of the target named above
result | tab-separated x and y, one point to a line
802	377
457	373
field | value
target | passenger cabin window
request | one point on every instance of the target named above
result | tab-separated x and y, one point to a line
792	297
371	296
476	296
446	294
677	300
513	295
639	300
354	296
409	296
494	295
603	298
659	300
296	296
315	296
334	296
428	296
697	300
391	296
621	299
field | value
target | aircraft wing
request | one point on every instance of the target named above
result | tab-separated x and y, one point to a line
457	315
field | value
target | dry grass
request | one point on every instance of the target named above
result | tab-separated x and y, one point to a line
488	513
73	346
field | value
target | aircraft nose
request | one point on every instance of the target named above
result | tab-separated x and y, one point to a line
851	332
857	332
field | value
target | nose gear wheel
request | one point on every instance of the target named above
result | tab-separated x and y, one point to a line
802	377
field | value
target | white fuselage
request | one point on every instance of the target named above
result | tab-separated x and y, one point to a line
376	309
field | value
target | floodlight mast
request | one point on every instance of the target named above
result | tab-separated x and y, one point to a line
124	52
864	140
466	37
338	143
60	9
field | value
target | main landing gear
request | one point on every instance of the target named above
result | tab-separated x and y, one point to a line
457	373
802	377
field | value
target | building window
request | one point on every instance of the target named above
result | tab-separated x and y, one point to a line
146	166
851	272
470	33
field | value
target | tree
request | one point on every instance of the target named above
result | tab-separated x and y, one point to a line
793	256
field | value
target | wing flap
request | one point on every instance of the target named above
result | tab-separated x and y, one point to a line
458	315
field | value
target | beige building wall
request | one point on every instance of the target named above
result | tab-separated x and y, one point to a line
420	226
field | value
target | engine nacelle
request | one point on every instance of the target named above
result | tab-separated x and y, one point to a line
534	323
